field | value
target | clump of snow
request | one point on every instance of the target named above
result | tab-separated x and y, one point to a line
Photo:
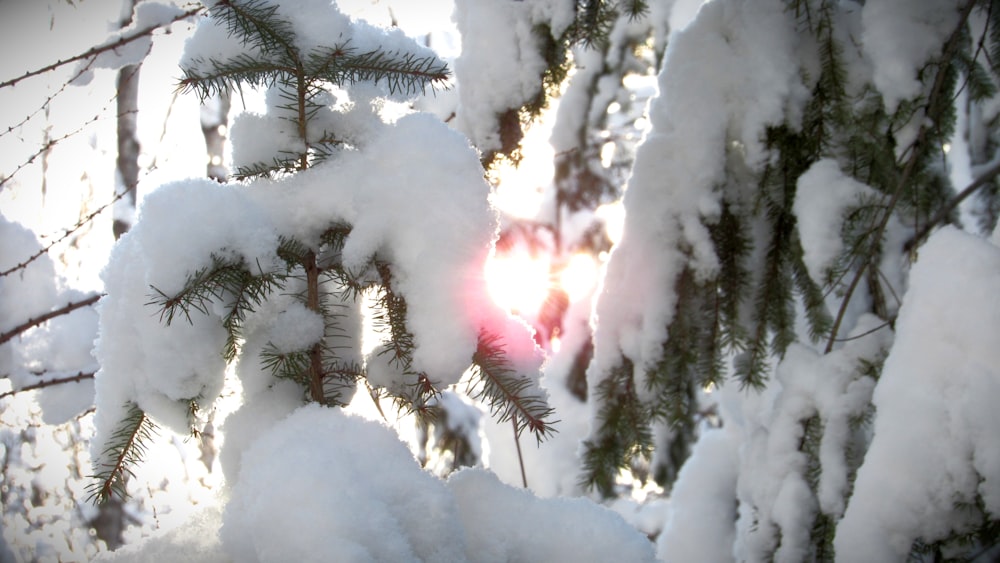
824	193
935	423
900	36
726	76
321	484
491	80
777	503
136	41
507	524
701	521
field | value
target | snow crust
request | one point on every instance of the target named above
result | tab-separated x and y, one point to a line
934	444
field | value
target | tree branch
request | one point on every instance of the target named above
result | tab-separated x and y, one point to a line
947	53
81	376
33	322
943	213
94	51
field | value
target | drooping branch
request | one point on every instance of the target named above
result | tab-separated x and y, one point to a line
909	170
508	394
35	321
126	449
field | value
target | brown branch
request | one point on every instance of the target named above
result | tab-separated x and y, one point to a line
94	51
69	232
33	322
943	213
81	376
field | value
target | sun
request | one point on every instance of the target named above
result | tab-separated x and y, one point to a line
518	282
521	282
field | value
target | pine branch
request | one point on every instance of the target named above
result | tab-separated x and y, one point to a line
257	24
509	396
35	321
623	433
945	211
402	72
909	170
95	51
126	449
233	74
81	376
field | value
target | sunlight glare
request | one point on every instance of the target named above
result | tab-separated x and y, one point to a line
578	277
518	283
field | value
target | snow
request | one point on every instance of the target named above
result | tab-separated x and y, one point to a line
900	36
934	422
377	504
701	521
56	349
710	94
491	80
374	498
823	195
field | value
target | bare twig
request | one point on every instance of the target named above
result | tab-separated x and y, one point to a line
520	457
94	51
69	232
81	376
33	322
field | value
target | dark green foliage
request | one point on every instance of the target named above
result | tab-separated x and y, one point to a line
624	433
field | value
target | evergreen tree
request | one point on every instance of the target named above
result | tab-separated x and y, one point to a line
736	285
313	280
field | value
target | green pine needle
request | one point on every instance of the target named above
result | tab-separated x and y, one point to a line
126	448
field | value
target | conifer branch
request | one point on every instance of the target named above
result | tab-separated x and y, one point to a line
35	321
110	46
126	448
257	25
233	74
81	376
623	433
402	72
509	396
945	211
909	170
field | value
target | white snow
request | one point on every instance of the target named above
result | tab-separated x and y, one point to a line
710	94
824	193
934	445
491	79
900	36
375	503
701	521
